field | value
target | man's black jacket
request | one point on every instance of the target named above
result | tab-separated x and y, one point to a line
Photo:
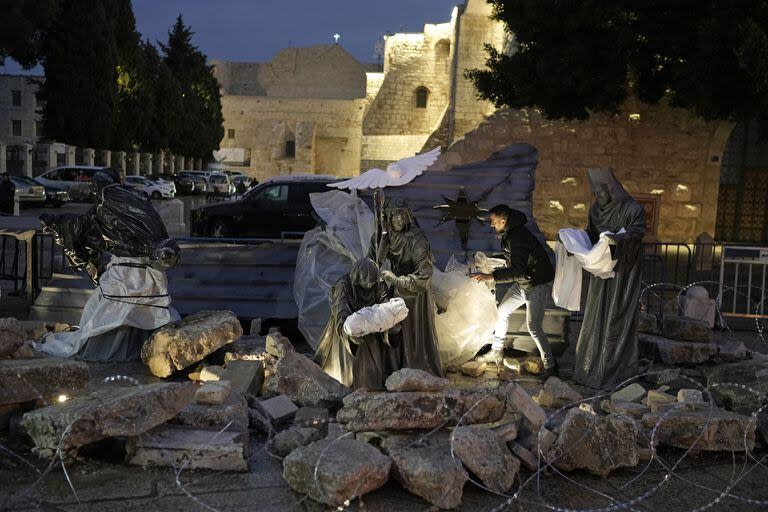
527	261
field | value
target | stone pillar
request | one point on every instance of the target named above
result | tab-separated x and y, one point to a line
89	155
171	164
69	152
120	161
180	163
146	164
159	163
135	163
50	156
27	159
3	157
106	157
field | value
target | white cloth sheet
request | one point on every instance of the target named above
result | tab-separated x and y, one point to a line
376	318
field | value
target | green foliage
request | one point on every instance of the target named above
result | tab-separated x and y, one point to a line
163	103
200	127
572	57
21	25
80	60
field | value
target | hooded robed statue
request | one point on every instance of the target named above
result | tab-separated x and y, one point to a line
406	247
606	352
364	361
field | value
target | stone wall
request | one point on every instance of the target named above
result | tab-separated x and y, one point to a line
662	152
327	134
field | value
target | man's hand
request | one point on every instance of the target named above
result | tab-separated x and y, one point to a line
482	278
388	277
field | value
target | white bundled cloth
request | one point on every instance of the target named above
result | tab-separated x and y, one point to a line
469	318
486	264
126	296
566	290
376	318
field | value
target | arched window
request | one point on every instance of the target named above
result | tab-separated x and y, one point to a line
422	96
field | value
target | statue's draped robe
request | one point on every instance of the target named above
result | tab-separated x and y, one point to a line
606	352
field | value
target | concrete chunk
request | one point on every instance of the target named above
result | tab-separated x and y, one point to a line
690	395
278	345
279	409
707	430
213	393
473	368
657	398
233	412
632	393
518	400
174	446
246	377
409	379
25	380
306	383
686	329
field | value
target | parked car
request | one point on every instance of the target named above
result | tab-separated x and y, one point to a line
278	208
53	196
218	183
75	179
199	181
29	192
151	189
185	184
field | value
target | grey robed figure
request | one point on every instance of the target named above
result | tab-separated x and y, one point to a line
606	352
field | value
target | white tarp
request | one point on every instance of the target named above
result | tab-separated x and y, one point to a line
126	296
566	289
376	318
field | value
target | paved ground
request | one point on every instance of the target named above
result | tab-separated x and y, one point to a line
675	481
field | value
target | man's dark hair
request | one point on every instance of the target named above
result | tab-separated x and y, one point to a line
501	210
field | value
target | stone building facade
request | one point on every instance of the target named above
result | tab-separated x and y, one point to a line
19	119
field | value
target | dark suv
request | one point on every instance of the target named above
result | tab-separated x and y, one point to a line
278	208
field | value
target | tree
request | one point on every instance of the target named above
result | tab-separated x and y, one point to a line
79	56
201	122
162	102
21	25
572	57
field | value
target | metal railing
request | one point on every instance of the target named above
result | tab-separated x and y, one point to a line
742	292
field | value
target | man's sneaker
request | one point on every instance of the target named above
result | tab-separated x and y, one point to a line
552	371
493	356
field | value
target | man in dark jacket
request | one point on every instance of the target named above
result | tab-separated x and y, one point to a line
7	193
531	273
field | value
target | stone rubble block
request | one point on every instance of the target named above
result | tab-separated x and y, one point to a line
427	469
556	394
334	472
26	380
632	393
288	440
647	323
740	387
507	431
278	345
519	401
12	336
306	383
409	379
188	341
377	411
484	453
682	328
211	373
598	444
176	447
247	348
690	395
245	377
656	399
705	430
732	350
233	414
630	409
473	368
278	410
213	393
111	411
528	459
673	352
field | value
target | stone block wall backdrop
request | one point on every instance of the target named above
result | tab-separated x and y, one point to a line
659	150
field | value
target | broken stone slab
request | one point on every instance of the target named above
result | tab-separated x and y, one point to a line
410	379
682	328
732	350
690	395
334	472
288	440
278	345
631	409
211	373
175	446
537	441
306	383
12	336
245	377
517	400
213	393
741	387
679	352
656	399
706	430
183	343
507	431
473	368
598	444
335	431
528	459
376	411
233	414
632	393
556	394
25	380
278	410
255	328
427	469
247	348
647	323
484	453
107	412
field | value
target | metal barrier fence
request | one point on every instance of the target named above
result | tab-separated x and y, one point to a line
742	291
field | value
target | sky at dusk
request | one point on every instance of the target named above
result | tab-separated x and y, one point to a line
254	30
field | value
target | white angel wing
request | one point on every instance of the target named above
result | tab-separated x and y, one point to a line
406	169
372	178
